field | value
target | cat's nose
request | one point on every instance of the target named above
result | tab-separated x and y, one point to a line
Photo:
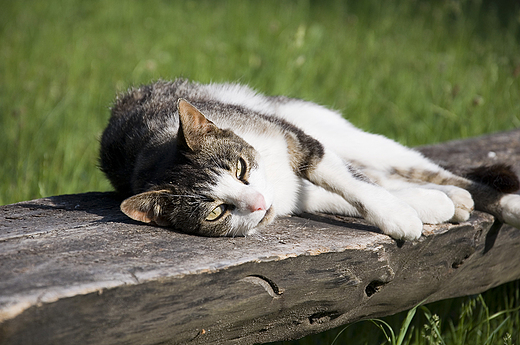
257	204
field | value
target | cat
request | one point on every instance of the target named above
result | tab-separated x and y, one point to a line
223	160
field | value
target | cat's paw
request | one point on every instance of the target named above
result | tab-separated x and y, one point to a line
510	204
464	204
432	206
405	229
398	220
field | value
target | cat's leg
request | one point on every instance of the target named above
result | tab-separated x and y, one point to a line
381	159
506	207
316	199
392	215
313	198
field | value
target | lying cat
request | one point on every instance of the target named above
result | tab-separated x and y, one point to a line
222	160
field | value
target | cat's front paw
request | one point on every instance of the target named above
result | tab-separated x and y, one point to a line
409	228
432	206
400	221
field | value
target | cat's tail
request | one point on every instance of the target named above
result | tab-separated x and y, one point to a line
500	177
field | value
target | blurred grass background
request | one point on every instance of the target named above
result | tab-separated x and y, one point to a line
417	71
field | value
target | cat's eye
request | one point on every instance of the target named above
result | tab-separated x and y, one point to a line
241	169
216	213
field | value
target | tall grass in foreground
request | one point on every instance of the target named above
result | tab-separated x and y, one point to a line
417	71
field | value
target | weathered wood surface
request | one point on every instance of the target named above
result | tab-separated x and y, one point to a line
74	270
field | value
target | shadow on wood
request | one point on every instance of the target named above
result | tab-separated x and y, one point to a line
75	270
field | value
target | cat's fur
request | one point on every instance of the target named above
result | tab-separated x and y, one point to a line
220	160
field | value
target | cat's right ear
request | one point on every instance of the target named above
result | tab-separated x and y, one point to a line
146	207
193	125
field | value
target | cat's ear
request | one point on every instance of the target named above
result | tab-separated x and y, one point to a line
146	207
193	125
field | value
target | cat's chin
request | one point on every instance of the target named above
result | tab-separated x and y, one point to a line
268	217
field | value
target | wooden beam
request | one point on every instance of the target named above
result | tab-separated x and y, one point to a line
75	270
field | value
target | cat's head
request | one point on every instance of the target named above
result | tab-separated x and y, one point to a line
217	186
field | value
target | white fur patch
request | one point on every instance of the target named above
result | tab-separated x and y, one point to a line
274	163
432	206
511	209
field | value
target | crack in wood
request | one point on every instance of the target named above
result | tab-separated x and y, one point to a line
269	285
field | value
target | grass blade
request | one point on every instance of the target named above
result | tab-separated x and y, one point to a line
380	324
337	335
492	335
406	324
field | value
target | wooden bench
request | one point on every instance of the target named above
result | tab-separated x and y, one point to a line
75	270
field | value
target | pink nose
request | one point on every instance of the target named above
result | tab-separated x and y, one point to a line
258	203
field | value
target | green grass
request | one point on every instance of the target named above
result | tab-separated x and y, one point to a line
417	71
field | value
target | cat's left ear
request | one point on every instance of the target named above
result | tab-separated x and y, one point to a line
193	125
146	207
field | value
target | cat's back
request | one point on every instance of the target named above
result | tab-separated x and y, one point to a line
144	123
310	117
145	118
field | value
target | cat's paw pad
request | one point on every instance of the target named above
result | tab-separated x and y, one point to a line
432	206
463	202
510	204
